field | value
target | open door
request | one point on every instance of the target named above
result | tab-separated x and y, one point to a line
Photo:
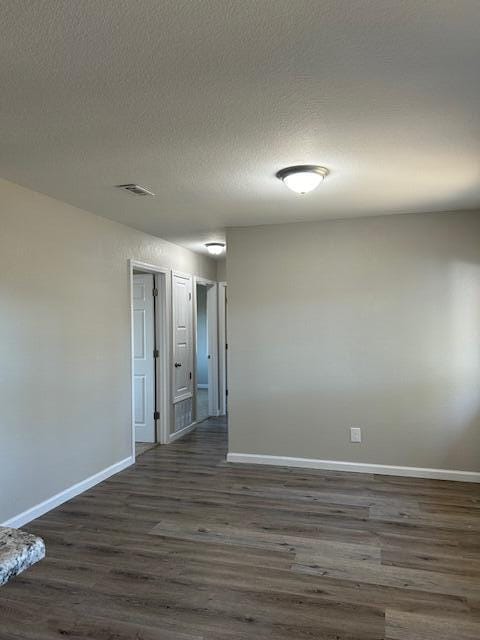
143	358
182	312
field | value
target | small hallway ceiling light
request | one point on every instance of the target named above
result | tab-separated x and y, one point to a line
302	178
215	248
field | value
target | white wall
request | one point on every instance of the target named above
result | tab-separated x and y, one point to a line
65	389
371	322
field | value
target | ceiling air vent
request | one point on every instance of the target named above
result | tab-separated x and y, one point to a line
136	189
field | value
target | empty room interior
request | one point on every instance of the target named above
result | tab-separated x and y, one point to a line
240	320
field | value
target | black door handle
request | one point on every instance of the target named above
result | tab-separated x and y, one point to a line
178	364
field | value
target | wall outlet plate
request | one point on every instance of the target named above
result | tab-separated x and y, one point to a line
355	434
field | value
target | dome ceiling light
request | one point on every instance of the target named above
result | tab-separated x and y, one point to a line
215	248
302	178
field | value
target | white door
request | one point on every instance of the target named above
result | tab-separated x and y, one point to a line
182	310
143	358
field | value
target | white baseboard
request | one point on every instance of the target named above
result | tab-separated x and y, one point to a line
47	505
357	467
182	432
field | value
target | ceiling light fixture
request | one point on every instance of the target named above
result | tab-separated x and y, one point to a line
302	178
215	248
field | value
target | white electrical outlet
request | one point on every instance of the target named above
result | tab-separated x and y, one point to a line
355	434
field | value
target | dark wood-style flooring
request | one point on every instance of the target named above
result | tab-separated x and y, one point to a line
183	546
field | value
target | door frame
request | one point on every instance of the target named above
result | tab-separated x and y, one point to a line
222	348
212	329
162	340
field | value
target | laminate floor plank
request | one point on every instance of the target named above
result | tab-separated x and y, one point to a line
185	546
408	626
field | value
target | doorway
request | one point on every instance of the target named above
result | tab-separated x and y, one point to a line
149	345
222	349
202	354
144	351
206	351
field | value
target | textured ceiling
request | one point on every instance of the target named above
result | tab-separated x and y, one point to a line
203	101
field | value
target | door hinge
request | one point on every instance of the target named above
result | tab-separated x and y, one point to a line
155	292
226	346
190	375
156	415
189	296
156	353
226	392
209	357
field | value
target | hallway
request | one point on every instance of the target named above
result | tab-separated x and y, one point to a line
183	546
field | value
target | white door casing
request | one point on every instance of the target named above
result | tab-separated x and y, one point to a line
143	360
222	347
182	313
